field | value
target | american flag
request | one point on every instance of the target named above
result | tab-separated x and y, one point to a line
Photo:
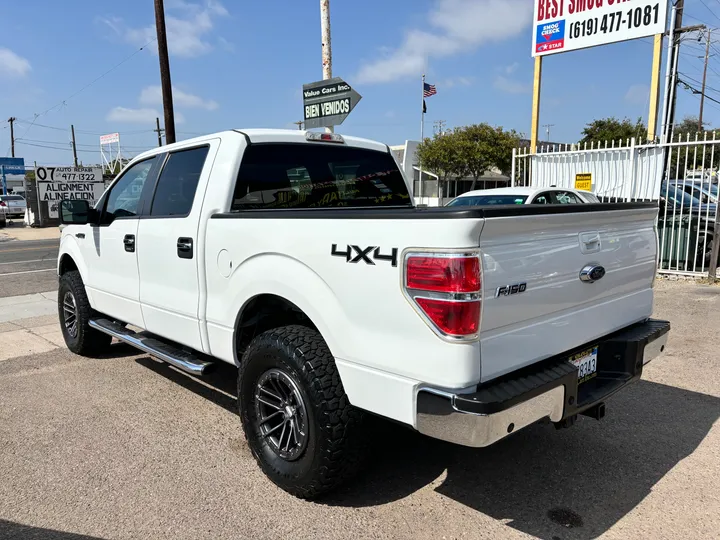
429	90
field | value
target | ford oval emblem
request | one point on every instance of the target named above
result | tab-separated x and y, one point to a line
592	273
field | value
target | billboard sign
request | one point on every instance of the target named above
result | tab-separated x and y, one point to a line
110	138
568	25
55	184
12	165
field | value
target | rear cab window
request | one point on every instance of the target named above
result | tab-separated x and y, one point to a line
287	175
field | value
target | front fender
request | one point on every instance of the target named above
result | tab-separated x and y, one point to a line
70	248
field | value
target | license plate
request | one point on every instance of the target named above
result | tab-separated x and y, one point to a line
586	362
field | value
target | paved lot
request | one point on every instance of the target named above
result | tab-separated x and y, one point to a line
125	447
28	266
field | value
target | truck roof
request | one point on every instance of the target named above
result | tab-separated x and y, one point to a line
265	136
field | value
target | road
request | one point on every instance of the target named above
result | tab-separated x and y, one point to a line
28	266
126	447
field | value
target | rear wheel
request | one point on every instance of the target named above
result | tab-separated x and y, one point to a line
299	424
74	312
3	224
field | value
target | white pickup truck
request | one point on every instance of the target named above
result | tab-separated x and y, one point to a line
300	258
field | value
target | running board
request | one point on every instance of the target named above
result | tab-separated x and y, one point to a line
166	352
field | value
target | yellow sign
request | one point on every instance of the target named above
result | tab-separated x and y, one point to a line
583	181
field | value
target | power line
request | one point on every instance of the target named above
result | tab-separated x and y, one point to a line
696	91
78	144
64	101
57	147
710	10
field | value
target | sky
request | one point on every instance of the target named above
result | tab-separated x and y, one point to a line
242	64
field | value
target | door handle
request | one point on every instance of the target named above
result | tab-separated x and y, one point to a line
129	242
185	247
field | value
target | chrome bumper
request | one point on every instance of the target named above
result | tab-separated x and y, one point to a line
478	430
480	417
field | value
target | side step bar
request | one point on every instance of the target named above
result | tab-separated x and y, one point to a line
166	352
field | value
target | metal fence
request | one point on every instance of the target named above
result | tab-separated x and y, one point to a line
682	175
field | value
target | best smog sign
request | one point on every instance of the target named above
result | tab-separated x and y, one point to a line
328	103
57	183
567	25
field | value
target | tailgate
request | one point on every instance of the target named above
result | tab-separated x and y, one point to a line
551	309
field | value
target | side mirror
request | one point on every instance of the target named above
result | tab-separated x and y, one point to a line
76	212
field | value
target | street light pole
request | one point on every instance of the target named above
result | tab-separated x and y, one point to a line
165	72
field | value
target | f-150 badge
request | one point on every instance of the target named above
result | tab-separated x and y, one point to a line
509	290
368	255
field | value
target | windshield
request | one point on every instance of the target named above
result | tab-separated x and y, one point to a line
483	200
678	196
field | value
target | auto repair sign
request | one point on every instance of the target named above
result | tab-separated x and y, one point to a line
567	25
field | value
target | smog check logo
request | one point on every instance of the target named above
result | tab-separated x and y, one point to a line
550	36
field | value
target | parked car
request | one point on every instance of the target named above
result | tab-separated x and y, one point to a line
685	227
523	195
15	206
704	190
335	296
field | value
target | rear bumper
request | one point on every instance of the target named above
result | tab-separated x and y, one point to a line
549	389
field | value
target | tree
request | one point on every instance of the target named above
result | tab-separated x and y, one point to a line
692	157
483	147
468	151
441	155
612	129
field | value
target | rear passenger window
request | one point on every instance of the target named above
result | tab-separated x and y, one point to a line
178	182
317	176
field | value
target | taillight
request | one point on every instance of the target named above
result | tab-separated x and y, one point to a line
446	288
2	203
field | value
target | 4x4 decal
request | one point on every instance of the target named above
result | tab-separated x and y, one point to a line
355	254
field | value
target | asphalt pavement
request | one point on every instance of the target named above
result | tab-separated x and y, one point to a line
28	266
127	447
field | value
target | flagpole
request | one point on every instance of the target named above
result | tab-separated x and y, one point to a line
422	135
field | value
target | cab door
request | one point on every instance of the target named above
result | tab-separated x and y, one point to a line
168	248
110	247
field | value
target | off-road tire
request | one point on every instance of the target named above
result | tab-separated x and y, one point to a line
334	442
3	224
86	341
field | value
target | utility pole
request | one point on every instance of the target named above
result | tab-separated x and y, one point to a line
75	159
165	72
299	124
12	135
547	130
159	131
326	45
702	93
439	127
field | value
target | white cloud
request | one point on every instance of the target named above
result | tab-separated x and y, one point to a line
638	94
454	81
457	27
509	86
152	95
187	26
138	116
226	45
512	68
12	65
